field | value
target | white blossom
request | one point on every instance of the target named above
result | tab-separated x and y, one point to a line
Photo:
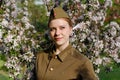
98	61
98	70
83	6
4	22
117	60
28	56
115	24
11	25
81	26
106	60
1	34
117	42
24	19
9	38
108	3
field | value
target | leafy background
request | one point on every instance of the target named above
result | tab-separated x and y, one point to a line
38	16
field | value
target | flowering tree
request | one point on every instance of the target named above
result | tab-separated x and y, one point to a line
98	40
91	35
18	39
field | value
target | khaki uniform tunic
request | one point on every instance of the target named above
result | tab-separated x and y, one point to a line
68	65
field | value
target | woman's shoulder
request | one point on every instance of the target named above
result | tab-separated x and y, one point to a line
79	56
41	52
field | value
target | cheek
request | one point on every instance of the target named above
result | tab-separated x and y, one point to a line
69	31
51	34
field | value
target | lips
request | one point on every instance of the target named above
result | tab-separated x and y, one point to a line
58	39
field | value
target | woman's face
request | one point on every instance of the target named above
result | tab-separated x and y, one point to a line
60	31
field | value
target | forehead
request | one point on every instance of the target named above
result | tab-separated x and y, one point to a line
60	21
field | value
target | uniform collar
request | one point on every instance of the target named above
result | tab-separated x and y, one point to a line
64	53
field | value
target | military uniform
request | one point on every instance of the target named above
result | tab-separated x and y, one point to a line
68	65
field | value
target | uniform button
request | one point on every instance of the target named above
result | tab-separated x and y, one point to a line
51	69
55	57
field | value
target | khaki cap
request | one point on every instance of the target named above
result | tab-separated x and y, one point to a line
57	12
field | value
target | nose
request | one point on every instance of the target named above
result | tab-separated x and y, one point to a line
57	32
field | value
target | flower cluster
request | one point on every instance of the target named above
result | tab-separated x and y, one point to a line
91	36
18	39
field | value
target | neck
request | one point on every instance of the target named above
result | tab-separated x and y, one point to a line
60	48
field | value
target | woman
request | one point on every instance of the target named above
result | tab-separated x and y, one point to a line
61	61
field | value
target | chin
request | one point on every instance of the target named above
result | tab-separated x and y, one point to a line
59	44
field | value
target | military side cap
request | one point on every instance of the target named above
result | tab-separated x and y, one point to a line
58	12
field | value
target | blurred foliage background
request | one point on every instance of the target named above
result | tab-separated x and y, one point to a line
39	18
